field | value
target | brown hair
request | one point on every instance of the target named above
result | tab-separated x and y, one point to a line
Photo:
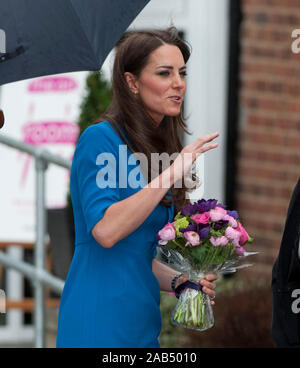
132	55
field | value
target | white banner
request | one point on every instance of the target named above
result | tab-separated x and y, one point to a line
42	112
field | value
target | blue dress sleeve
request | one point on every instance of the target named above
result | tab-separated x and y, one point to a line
97	170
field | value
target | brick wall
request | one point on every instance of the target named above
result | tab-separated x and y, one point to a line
269	127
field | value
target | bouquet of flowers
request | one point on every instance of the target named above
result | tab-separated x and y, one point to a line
204	238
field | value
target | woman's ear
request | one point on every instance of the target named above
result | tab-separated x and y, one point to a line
132	82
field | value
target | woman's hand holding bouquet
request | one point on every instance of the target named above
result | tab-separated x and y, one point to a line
204	238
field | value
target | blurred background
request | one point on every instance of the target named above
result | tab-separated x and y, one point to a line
244	82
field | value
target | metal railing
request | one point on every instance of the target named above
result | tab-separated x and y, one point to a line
37	272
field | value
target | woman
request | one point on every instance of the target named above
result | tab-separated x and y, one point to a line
112	293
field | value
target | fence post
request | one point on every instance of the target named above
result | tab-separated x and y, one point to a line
39	252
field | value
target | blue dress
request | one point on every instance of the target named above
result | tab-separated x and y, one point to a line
111	297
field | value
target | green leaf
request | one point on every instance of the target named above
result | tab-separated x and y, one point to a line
180	223
178	216
216	233
199	254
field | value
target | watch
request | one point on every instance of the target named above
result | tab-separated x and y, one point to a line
175	278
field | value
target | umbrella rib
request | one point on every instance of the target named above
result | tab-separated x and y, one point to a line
89	43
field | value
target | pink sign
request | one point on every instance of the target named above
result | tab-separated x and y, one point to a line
52	84
40	133
50	132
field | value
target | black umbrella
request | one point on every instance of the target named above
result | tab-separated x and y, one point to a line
44	37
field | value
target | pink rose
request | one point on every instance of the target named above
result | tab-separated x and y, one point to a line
201	218
217	214
166	233
231	220
221	209
233	235
221	240
244	235
240	251
192	238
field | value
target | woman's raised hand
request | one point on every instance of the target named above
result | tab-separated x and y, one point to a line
184	161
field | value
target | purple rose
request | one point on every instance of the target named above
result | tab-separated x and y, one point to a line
233	214
188	210
220	224
191	227
204	206
203	233
201	229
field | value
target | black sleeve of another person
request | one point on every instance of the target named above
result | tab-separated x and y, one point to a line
285	325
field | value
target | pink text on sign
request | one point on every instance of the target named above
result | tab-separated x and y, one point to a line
52	84
50	132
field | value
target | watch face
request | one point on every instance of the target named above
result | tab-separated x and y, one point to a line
174	281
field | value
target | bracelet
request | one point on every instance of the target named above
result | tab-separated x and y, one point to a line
175	278
187	285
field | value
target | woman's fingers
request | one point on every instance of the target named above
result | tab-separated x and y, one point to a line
200	142
209	291
203	140
208	286
211	277
208	147
208	138
183	162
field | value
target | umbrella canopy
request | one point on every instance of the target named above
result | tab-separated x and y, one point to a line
43	37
